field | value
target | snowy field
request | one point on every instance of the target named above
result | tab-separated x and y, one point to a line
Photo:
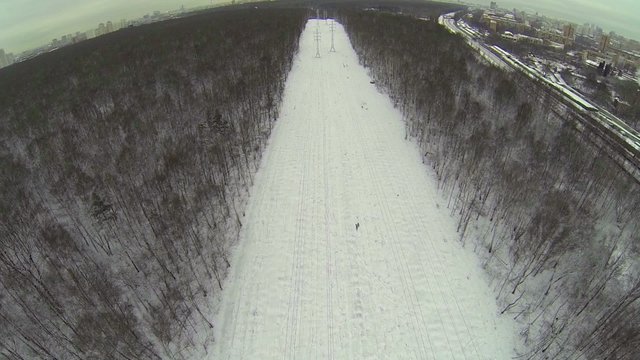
306	281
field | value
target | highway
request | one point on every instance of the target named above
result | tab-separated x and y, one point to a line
470	38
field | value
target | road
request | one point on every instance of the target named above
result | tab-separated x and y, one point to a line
347	249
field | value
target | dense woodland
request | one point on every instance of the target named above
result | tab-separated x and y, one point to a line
553	217
124	162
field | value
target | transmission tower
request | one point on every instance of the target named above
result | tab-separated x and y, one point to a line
333	27
317	37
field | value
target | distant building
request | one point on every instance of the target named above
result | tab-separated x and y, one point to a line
585	29
493	5
80	36
604	43
3	59
622	59
508	35
528	39
585	56
497	22
521	16
109	26
569	34
493	25
617	59
553	35
64	40
101	30
597	31
554	45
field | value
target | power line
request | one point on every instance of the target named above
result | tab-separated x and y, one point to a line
317	37
333	27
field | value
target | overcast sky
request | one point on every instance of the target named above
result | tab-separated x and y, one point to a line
25	24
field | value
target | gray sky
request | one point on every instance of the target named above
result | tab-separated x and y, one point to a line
25	24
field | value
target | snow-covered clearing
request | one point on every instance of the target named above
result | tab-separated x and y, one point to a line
308	282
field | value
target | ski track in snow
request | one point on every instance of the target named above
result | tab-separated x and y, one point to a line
304	283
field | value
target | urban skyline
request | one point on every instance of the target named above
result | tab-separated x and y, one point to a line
28	24
93	29
619	16
103	28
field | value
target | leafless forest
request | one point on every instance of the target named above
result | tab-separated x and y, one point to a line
123	161
553	218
